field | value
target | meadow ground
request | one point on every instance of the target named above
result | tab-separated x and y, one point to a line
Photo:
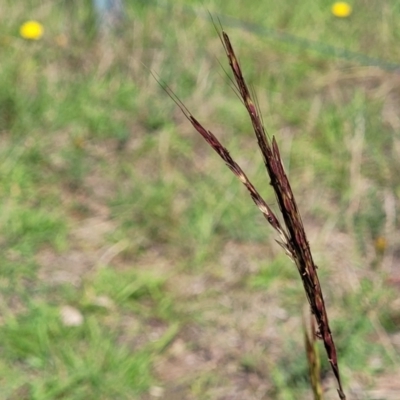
134	265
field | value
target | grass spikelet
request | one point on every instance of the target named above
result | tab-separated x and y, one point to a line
293	238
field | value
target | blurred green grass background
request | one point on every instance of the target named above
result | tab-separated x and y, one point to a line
134	265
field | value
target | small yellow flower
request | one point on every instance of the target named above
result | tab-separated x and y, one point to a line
380	244
31	30
341	9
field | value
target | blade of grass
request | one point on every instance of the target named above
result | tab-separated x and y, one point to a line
314	365
297	244
293	238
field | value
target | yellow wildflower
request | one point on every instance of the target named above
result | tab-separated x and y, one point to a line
380	244
31	30
341	9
